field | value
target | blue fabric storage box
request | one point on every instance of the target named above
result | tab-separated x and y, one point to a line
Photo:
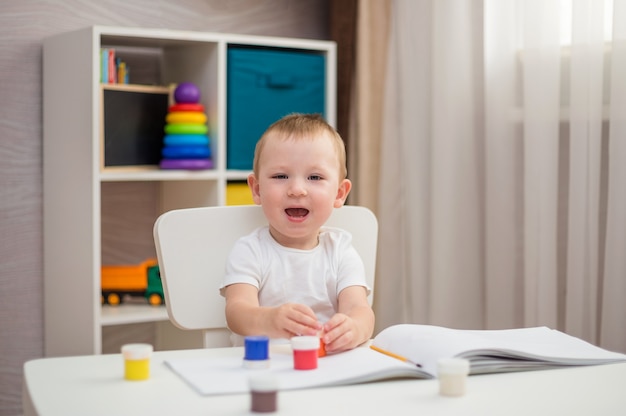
263	86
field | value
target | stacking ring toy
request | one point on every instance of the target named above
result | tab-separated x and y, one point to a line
186	152
186	128
187	92
183	117
186	107
186	140
189	164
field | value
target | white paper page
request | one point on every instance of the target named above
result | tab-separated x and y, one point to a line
227	375
425	344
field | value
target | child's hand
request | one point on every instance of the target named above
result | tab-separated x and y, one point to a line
245	317
341	333
353	324
291	319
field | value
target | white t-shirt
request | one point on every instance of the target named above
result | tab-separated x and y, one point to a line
310	277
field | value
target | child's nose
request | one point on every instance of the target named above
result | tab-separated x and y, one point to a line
296	188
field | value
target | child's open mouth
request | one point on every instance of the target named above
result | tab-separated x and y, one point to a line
297	212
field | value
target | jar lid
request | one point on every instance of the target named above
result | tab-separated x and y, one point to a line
256	364
453	366
263	382
256	348
305	343
136	351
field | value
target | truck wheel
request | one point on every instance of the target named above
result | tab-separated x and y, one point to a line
155	299
114	299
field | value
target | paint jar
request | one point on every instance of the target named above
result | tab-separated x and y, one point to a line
137	361
452	374
256	352
321	352
263	393
305	352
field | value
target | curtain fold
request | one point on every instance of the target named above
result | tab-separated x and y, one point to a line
365	131
501	197
503	166
613	312
586	62
540	58
403	254
455	193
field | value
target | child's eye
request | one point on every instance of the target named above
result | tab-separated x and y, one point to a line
315	178
279	176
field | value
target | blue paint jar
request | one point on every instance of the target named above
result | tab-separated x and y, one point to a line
256	352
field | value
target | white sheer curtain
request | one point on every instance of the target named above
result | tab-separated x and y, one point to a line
502	182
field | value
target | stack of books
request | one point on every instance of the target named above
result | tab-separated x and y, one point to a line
112	69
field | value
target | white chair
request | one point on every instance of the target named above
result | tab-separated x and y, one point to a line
193	244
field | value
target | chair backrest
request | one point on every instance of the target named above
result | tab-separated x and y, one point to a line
193	244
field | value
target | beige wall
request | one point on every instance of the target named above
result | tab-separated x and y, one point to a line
23	26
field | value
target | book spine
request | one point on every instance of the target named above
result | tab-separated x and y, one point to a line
104	65
112	78
121	72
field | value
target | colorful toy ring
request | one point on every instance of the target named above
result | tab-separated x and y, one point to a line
186	152
188	164
186	128
186	140
184	117
186	107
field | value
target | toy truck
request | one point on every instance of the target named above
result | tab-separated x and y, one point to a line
141	279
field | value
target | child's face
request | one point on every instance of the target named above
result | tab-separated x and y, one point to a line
298	186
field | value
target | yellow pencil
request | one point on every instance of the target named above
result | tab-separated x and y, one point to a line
396	356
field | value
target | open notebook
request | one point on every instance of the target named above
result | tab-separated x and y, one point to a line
418	347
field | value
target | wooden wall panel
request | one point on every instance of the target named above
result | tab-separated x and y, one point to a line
23	26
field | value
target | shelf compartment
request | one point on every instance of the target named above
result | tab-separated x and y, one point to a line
132	314
154	173
133	120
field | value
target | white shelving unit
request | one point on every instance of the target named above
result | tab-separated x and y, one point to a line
95	213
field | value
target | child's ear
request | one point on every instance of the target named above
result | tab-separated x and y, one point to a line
342	193
253	184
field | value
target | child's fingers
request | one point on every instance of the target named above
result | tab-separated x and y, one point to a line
305	311
301	320
334	322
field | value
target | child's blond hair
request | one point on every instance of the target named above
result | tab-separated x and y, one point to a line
302	126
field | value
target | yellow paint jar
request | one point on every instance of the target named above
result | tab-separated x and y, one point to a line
137	361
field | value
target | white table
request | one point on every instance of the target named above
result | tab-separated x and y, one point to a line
94	385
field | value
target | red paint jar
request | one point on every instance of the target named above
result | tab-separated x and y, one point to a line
305	352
